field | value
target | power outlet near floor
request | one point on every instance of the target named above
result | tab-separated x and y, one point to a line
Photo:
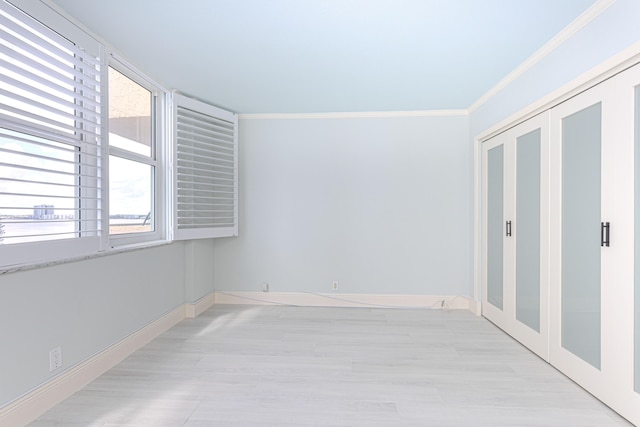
334	286
55	359
264	287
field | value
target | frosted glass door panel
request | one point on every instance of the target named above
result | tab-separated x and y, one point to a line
528	230
637	242
581	195
495	225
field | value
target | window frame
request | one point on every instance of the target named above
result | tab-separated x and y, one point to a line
157	160
48	250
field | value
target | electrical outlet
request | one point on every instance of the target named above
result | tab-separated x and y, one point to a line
265	287
334	287
55	359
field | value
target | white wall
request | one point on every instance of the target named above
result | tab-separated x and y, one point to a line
609	33
383	205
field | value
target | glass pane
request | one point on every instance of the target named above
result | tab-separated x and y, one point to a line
528	223
130	190
129	114
495	226
38	189
637	243
581	140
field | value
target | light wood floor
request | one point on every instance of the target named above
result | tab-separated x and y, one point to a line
295	366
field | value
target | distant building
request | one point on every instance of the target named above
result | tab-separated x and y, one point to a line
43	212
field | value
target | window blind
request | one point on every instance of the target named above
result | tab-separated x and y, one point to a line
49	87
50	106
205	170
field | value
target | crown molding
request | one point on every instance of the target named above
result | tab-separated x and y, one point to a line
596	75
352	115
581	21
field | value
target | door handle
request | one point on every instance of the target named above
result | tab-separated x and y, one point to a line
604	234
508	228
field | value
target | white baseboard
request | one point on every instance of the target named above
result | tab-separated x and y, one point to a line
475	307
35	403
307	299
195	309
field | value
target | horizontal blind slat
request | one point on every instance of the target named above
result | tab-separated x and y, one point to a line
75	209
54	196
186	152
28	128
194	193
204	147
187	115
183	170
39	33
196	131
63	85
84	80
63	100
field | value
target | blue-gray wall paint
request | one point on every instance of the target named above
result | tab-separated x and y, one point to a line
198	271
84	307
383	205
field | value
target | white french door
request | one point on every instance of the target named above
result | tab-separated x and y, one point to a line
515	232
625	294
630	89
561	238
592	242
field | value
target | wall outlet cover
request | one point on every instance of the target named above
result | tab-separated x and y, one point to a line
55	359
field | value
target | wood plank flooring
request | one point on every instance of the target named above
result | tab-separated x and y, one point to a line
310	366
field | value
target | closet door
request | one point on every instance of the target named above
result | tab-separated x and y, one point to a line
628	312
496	228
635	400
515	285
591	240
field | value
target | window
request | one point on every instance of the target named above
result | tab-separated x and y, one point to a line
83	149
134	179
50	141
206	170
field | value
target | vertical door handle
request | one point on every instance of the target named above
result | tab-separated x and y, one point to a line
508	228
604	234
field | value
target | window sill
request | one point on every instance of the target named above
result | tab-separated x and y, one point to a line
108	252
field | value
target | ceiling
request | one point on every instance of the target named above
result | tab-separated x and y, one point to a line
309	56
